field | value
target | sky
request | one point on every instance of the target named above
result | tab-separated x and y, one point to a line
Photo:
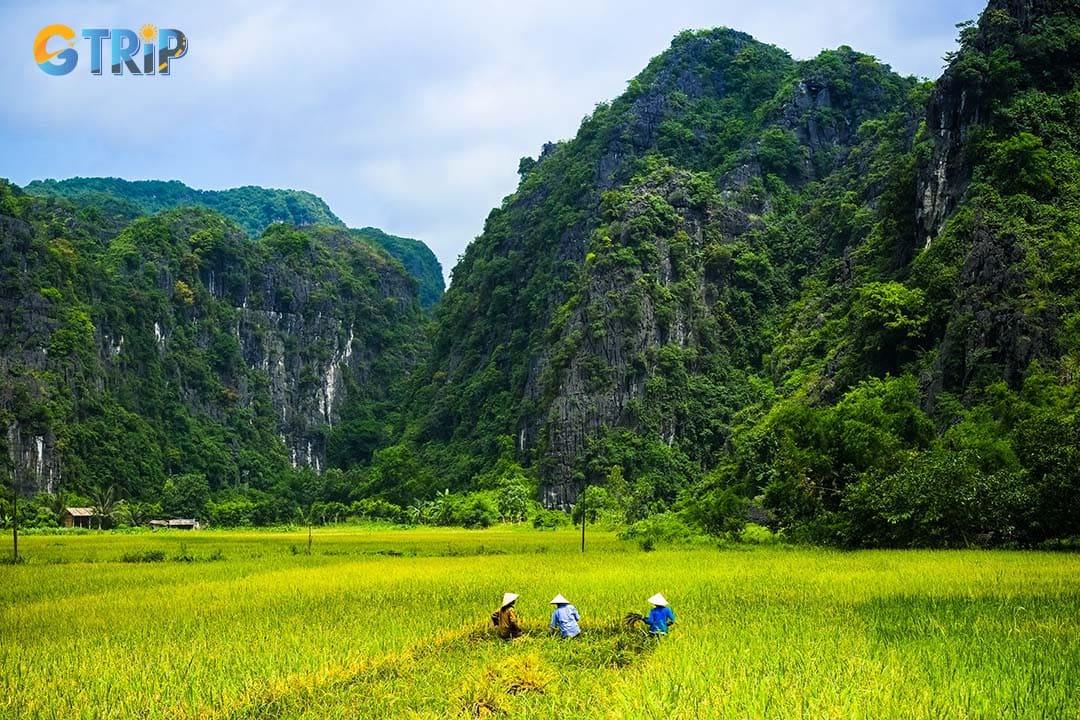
407	116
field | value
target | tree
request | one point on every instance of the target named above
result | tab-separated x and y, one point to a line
889	318
397	474
616	485
185	495
596	501
134	513
513	499
442	507
105	505
525	166
419	511
939	499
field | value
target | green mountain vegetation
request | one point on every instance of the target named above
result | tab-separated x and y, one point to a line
415	257
842	297
252	208
170	359
814	294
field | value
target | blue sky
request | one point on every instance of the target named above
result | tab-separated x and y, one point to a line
409	116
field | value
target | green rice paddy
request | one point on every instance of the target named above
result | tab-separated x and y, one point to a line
394	623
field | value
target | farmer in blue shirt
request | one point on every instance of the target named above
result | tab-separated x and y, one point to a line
564	619
660	616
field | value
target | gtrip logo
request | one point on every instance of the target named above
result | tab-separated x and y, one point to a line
146	52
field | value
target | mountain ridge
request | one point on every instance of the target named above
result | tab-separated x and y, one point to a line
252	207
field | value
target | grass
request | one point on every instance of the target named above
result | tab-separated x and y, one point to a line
393	623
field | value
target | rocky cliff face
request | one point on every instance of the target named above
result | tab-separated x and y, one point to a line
640	256
648	333
212	353
617	322
34	460
986	127
964	101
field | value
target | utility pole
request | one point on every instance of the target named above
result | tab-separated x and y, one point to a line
581	502
15	515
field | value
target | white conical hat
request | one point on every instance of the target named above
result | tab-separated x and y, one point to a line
659	599
559	600
509	598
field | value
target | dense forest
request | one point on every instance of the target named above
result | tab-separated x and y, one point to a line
252	208
812	294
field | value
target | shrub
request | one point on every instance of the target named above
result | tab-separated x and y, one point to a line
476	511
599	506
889	318
755	534
718	512
780	152
378	509
662	529
549	519
233	512
939	499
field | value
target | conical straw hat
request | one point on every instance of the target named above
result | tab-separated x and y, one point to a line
559	600
509	598
658	599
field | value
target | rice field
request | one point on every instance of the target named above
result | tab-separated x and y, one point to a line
394	623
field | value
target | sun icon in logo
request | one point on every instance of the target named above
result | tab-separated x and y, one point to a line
148	32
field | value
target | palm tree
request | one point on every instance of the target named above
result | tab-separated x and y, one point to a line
105	504
417	511
134	513
441	507
59	501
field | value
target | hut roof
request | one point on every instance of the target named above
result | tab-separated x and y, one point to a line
80	512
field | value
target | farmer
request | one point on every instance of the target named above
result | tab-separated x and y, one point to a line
505	619
564	619
660	616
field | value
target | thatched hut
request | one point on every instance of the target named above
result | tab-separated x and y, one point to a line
77	517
